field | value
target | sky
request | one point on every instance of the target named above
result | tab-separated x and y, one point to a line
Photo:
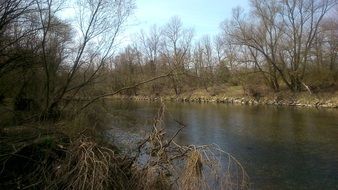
204	16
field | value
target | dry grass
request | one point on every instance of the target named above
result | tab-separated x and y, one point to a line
192	172
208	167
219	91
44	162
86	167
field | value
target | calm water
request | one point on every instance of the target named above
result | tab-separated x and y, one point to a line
280	147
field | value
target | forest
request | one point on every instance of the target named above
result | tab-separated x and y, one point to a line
57	72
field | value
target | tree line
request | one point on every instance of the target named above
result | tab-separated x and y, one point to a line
280	44
47	62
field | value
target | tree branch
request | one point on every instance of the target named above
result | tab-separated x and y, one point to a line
125	88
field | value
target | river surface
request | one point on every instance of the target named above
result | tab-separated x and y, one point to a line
280	147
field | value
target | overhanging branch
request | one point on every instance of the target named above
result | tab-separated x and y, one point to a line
126	88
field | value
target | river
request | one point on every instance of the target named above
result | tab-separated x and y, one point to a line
280	147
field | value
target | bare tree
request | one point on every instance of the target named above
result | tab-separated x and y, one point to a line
283	33
150	45
204	62
99	23
127	69
176	46
302	20
13	30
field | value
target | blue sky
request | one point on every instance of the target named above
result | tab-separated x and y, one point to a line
203	15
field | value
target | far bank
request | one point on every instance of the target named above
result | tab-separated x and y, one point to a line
236	95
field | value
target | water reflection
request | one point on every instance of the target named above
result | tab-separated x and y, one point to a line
281	148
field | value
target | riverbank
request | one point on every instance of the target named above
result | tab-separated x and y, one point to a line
302	99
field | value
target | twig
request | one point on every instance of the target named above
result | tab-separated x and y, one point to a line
177	132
